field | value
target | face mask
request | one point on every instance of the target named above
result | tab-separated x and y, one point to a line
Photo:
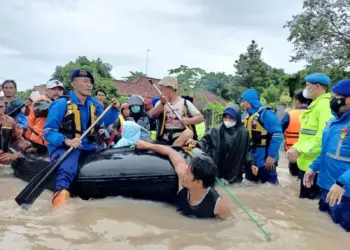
336	103
307	93
135	109
229	124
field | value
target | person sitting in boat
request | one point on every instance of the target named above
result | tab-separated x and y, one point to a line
228	145
196	196
11	133
171	130
131	133
68	118
139	115
15	108
38	113
100	96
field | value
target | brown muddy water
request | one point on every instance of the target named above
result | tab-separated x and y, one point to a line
120	223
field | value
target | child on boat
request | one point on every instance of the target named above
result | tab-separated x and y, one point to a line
131	133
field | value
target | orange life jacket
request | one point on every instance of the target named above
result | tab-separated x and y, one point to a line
291	134
36	124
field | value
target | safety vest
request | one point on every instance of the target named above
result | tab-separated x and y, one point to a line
6	133
258	134
71	124
162	120
292	132
36	124
121	121
312	122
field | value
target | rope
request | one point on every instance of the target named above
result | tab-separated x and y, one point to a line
188	151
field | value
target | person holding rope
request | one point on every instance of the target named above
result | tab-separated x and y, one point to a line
68	118
170	128
196	196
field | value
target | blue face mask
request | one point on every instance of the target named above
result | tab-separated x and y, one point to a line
135	109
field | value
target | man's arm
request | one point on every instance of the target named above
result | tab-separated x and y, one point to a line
222	210
54	118
177	161
197	117
273	126
285	122
157	110
18	139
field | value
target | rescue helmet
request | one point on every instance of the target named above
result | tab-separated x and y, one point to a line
135	100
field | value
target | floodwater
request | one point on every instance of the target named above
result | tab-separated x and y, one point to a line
120	223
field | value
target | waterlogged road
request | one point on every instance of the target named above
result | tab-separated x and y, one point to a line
118	223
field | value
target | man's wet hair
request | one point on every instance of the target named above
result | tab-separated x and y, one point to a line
10	81
100	90
300	97
204	169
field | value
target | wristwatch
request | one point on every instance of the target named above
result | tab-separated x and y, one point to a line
339	184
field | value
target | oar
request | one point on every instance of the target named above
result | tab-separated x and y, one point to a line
171	108
15	110
38	184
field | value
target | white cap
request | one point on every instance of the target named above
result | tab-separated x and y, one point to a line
169	81
53	84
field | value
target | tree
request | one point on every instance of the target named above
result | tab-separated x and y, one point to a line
251	70
23	95
100	70
134	75
321	32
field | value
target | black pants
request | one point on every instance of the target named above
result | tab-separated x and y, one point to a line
293	169
309	193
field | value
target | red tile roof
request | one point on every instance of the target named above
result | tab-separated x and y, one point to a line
142	87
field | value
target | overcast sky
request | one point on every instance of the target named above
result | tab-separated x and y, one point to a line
37	35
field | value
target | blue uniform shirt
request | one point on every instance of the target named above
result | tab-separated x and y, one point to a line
57	112
333	163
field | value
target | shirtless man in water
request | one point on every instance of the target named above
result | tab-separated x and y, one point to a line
196	196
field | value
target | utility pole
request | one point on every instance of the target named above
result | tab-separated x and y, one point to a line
147	61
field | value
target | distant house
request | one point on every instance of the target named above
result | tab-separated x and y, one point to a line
144	88
40	88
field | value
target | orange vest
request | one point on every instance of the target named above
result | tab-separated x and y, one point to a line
291	134
36	124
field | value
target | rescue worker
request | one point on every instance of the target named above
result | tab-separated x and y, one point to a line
67	120
38	113
16	108
313	121
228	145
171	130
101	95
266	136
333	163
11	133
196	195
139	115
291	127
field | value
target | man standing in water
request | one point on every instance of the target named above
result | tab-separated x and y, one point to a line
228	145
266	136
313	121
333	163
67	120
196	196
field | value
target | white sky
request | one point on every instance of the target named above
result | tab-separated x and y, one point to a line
38	35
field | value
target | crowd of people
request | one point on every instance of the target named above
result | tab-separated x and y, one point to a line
245	145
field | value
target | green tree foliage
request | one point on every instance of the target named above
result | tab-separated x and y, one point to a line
134	75
100	70
23	95
271	94
322	32
217	110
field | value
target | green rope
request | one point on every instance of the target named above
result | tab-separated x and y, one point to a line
239	204
244	209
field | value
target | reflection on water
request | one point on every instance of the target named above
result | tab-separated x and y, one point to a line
118	223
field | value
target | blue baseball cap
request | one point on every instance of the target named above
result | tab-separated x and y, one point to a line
231	112
83	73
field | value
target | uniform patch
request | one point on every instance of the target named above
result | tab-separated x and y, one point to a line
344	133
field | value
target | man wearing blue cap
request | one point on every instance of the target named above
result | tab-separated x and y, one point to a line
67	120
312	122
266	136
228	145
333	164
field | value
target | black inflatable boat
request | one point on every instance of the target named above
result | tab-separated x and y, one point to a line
115	172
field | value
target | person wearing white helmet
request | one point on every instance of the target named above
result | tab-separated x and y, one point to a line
170	129
38	112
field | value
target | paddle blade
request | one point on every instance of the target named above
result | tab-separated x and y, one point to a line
35	187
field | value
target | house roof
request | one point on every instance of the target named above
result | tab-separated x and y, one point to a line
40	88
144	88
